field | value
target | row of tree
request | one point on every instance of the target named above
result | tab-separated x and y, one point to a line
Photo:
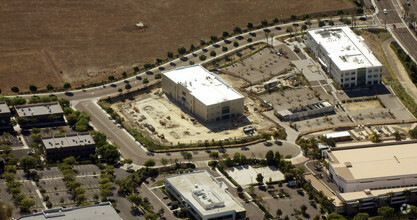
33	88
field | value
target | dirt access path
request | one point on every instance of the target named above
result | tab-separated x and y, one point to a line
81	42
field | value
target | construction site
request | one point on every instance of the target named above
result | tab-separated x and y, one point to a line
165	121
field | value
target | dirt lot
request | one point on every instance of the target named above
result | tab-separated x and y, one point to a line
362	105
83	41
153	109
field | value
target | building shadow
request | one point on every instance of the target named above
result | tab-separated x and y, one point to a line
367	91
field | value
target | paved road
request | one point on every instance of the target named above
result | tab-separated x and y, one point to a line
401	33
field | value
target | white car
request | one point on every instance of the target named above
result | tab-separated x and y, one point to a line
385	11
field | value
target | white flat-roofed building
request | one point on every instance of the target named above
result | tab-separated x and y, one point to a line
204	197
303	111
203	93
77	145
374	168
102	211
344	55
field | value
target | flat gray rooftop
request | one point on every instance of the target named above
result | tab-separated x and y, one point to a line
102	211
68	141
204	192
38	109
4	108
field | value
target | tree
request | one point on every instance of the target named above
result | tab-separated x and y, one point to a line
109	153
361	216
225	34
33	88
250	25
277	158
303	209
214	155
202	57
164	161
264	22
237	30
49	87
64	102
192	47
145	81
214	38
182	50
170	54
111	78
26	204
149	163
224	48
136	69
289	30
15	89
213	53
335	216
269	156
187	156
67	85
279	212
375	137
235	44
275	20
386	212
303	27
128	86
413	133
398	136
135	199
293	17
260	179
28	162
82	125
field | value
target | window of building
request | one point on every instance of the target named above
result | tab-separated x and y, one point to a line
370	71
353	78
183	93
369	76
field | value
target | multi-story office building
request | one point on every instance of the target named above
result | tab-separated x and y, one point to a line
203	93
60	147
345	56
204	197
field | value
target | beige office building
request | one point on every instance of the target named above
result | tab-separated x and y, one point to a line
203	93
374	168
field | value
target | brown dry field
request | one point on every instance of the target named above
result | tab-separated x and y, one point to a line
80	42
